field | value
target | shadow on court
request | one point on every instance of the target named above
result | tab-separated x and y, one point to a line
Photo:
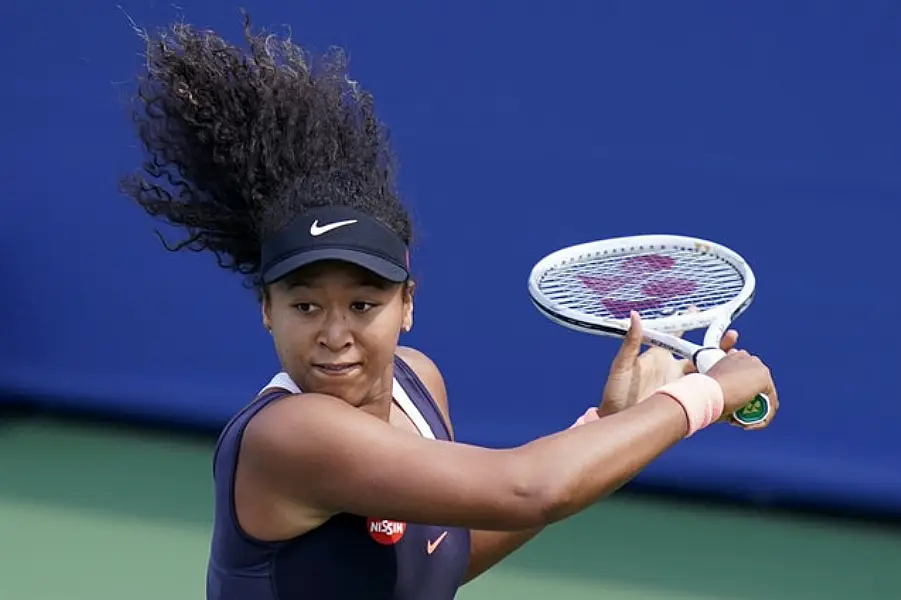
93	495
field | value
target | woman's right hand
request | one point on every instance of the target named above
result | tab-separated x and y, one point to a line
742	376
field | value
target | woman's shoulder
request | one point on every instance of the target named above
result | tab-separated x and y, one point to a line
426	369
417	359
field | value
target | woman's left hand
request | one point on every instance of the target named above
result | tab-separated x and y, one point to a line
635	375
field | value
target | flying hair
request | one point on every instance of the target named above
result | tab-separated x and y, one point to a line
239	141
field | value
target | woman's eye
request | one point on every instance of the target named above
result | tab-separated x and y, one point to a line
361	307
304	307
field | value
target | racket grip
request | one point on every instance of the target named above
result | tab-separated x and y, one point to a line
755	411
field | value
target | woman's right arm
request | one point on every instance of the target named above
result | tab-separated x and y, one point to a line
318	453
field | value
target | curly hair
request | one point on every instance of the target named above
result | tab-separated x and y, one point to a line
236	143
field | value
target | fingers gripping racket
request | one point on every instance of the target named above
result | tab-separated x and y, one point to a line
593	287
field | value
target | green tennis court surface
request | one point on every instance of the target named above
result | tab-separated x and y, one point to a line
87	513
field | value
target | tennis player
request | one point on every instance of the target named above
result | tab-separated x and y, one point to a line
341	479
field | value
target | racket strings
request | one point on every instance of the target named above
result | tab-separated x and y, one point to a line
657	283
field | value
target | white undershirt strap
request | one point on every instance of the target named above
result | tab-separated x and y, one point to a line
284	381
411	410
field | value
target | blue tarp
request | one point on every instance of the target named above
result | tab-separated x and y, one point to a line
772	127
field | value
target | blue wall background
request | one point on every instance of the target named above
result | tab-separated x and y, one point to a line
521	129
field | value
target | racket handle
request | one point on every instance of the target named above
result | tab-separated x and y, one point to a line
755	411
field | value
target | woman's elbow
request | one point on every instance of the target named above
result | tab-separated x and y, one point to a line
540	497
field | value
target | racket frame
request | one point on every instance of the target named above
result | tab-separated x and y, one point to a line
657	332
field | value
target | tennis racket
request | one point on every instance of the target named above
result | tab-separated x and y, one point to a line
593	287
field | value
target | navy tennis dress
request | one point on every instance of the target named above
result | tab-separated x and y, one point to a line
349	557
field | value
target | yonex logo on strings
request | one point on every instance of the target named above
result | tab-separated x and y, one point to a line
618	292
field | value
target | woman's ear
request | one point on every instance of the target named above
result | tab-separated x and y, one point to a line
266	310
408	306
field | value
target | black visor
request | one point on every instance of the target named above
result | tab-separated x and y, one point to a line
335	233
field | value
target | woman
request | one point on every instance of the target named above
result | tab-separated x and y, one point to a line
341	479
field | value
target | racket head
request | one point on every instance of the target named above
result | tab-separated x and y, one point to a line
592	287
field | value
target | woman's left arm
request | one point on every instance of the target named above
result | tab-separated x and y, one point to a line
633	376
